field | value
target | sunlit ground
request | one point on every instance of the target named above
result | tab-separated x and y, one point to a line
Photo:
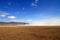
12	32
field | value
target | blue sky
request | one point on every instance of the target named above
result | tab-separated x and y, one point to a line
29	9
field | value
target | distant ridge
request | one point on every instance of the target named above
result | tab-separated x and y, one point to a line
13	23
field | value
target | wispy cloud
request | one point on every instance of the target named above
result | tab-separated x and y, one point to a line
3	13
15	20
36	1
34	4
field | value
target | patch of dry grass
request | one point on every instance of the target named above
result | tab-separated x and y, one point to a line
30	33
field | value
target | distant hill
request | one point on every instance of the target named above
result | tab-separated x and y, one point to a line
15	23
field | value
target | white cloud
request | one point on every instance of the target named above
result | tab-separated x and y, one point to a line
11	17
3	13
47	22
29	20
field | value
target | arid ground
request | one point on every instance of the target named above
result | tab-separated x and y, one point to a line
30	33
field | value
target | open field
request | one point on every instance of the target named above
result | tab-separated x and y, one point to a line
30	33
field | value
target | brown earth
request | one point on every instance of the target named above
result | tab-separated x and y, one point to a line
30	33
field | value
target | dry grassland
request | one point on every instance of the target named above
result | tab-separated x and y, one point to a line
30	33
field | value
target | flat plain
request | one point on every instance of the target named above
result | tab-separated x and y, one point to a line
29	32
